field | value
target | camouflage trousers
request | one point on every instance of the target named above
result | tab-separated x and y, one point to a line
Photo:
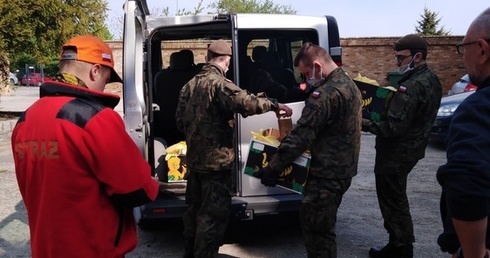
391	189
318	215
209	198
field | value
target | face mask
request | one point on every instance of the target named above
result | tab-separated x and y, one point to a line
407	67
227	67
313	81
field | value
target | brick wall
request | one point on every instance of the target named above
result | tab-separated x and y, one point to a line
372	57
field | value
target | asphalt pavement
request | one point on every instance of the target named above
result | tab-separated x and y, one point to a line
19	99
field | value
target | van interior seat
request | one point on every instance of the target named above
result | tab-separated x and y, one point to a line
168	83
258	53
188	57
258	56
271	77
249	66
280	73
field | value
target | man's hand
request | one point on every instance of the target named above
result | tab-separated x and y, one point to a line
268	177
155	178
283	111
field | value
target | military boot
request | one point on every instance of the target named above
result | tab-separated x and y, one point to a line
188	248
391	251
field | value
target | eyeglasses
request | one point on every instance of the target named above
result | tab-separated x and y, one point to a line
400	58
460	46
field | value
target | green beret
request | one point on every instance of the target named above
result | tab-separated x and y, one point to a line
220	47
410	41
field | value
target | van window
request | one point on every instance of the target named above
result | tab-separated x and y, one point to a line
265	59
266	62
179	66
295	46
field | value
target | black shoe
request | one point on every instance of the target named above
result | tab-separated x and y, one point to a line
390	251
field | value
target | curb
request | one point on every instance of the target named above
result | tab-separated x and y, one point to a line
8	121
7	126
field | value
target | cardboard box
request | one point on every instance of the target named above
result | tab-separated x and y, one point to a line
292	178
375	100
285	125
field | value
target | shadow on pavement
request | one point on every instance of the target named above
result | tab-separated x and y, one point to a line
14	233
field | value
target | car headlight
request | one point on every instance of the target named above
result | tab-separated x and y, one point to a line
447	110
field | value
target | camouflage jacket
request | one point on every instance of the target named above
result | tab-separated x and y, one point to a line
207	104
404	134
330	127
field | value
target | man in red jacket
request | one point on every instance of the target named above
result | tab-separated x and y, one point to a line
79	172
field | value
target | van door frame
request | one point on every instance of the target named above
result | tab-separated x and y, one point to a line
135	108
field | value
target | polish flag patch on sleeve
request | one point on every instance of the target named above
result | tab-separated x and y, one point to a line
402	88
315	94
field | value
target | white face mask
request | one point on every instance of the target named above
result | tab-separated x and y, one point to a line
227	67
407	67
313	81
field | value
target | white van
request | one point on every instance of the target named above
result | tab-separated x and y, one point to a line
161	54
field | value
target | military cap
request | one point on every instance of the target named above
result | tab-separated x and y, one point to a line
220	47
410	41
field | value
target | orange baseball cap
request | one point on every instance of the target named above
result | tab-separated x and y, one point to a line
90	49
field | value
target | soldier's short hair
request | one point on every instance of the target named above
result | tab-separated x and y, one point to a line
310	52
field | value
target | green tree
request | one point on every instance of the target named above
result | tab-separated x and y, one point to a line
197	10
428	23
38	28
250	6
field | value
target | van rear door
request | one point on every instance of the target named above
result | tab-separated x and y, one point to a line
135	106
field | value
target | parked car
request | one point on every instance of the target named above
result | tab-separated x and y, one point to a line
445	113
35	79
13	79
462	85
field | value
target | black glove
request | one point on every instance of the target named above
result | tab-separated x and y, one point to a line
369	126
268	177
366	124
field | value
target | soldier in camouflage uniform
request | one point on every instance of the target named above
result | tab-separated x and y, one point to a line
330	127
205	114
401	139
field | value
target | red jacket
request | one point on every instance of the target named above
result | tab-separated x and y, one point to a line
79	173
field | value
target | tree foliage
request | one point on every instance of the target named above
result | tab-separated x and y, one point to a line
428	23
117	23
180	12
218	6
197	10
38	28
250	6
